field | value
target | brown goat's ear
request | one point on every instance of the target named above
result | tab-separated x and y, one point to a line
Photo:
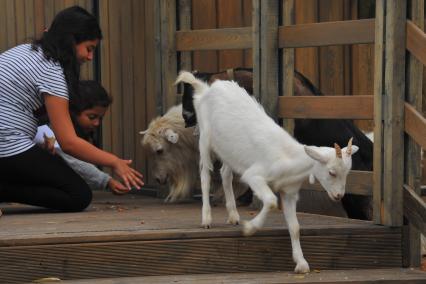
338	150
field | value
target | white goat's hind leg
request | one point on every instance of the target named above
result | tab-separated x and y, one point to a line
226	174
264	193
289	201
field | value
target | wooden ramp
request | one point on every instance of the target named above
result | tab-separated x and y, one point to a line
136	235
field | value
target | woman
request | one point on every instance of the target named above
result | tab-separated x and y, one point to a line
41	75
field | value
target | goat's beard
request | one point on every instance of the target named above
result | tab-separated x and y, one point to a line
181	188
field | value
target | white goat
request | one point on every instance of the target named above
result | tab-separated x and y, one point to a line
237	129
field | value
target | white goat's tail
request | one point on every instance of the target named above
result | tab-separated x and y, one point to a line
188	77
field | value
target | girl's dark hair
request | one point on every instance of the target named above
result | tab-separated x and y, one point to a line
92	94
69	27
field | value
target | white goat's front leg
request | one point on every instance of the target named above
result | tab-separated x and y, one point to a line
206	219
226	174
264	193
289	201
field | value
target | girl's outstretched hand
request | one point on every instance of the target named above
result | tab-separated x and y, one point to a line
129	176
117	187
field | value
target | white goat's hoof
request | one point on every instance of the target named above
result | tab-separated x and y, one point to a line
233	219
248	228
302	267
206	226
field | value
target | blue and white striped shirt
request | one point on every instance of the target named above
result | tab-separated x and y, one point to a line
24	75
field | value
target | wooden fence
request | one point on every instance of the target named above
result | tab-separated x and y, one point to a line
395	106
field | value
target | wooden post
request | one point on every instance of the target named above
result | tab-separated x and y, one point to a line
269	56
413	172
378	115
288	61
168	49
184	9
256	48
390	92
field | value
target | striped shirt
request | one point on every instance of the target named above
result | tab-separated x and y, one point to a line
25	75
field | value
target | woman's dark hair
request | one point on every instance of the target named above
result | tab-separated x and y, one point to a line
69	27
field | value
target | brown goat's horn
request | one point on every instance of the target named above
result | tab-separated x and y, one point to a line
349	148
338	150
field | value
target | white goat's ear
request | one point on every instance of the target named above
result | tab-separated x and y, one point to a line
313	152
355	149
311	179
171	136
143	132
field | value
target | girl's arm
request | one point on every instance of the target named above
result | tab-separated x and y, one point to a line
61	124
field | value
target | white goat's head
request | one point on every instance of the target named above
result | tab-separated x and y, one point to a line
332	167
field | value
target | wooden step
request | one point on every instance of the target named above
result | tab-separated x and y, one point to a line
141	236
363	276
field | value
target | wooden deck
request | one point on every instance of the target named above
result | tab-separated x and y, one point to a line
136	235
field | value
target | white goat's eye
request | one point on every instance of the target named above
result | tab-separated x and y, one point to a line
332	173
159	151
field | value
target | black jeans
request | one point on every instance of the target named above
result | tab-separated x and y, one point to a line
38	178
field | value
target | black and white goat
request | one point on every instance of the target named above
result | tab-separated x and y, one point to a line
236	128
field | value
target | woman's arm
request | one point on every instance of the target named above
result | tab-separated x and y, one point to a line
61	124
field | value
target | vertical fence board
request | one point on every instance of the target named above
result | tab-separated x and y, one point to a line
288	61
106	71
413	174
229	15
205	61
378	116
306	59
184	9
331	57
269	56
394	91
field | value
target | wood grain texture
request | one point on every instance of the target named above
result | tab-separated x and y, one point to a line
327	33
359	107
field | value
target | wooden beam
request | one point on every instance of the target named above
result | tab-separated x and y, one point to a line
415	209
416	42
269	56
358	182
327	33
415	125
214	39
355	107
393	111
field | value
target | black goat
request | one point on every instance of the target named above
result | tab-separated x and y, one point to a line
319	132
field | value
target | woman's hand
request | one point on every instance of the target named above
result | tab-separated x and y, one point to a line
117	187
129	176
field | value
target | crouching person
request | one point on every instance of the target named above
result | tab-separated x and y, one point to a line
41	76
86	115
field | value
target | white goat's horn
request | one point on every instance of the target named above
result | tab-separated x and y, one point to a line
349	148
143	132
338	150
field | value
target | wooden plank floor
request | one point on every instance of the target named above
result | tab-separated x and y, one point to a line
361	276
135	216
136	235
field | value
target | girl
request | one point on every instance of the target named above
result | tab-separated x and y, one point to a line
46	74
86	117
